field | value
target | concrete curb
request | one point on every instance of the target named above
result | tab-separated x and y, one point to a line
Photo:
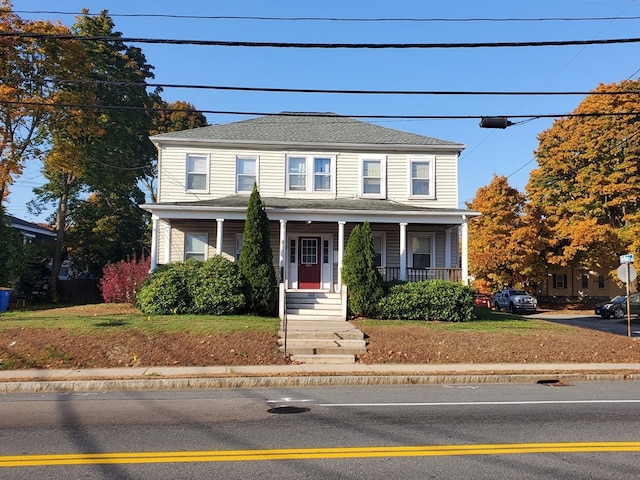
157	384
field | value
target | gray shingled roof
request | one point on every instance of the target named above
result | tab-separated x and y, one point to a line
362	204
304	128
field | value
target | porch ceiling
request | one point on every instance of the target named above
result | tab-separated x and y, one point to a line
324	210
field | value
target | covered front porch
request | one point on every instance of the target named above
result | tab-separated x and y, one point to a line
308	239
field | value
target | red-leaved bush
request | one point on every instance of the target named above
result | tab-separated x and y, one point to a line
121	281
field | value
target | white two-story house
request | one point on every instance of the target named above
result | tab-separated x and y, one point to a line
318	175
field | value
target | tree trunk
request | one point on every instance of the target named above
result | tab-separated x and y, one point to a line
61	220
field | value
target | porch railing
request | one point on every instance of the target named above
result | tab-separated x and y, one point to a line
419	274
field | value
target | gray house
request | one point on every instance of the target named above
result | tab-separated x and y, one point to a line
319	175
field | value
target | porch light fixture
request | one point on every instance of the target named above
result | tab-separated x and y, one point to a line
495	122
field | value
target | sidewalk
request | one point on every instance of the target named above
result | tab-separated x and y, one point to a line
164	378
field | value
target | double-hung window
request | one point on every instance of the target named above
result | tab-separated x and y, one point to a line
421	177
197	173
310	173
297	174
195	246
421	251
372	176
246	173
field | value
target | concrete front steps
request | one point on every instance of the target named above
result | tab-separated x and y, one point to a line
315	305
321	341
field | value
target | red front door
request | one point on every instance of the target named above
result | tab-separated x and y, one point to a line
309	263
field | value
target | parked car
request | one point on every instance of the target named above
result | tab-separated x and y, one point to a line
515	301
617	307
482	300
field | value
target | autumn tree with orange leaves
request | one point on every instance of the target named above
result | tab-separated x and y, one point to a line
26	67
587	184
504	242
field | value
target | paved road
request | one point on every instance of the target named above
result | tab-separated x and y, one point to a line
524	431
611	325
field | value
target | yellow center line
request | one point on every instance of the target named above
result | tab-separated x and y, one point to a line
311	453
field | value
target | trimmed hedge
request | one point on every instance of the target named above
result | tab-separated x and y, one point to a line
212	287
428	300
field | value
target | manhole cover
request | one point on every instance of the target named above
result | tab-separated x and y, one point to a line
288	410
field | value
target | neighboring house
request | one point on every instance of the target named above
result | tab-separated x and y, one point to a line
318	175
31	232
574	283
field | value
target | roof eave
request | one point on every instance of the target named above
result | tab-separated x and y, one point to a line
159	142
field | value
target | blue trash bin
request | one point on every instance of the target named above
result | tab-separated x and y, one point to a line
5	294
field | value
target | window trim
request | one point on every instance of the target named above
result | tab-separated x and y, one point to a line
206	244
383	175
431	161
432	253
256	160
207	159
310	173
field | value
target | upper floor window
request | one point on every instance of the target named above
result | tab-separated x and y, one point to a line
197	173
372	176
246	173
421	181
195	246
310	174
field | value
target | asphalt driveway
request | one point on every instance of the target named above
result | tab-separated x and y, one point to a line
611	325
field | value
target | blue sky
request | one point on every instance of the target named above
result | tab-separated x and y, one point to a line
506	152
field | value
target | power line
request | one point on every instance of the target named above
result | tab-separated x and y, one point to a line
306	90
226	43
315	114
338	19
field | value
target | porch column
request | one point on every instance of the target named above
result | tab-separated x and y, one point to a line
465	250
283	251
447	248
403	251
219	232
154	243
340	252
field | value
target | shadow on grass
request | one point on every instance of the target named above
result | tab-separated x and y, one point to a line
112	323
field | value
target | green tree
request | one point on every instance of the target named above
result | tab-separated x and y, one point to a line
169	117
505	243
256	258
107	228
587	182
359	273
98	150
13	256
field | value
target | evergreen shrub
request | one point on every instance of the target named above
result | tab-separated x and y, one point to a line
219	289
359	273
428	300
212	287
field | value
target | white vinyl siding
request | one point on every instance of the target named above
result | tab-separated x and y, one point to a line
197	173
272	175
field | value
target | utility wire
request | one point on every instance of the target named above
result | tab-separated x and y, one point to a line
226	43
10	79
314	114
338	19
